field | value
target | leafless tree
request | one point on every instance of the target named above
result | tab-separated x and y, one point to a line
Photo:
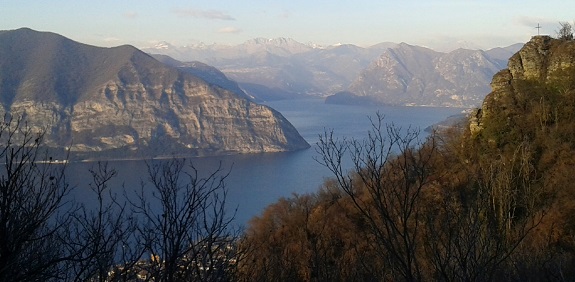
181	223
477	223
185	227
385	185
33	208
565	32
101	239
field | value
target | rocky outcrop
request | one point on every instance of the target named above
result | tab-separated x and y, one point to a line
120	102
541	60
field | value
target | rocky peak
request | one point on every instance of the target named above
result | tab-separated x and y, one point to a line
163	45
531	61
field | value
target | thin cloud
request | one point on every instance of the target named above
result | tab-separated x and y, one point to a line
111	39
533	22
229	29
130	15
203	14
285	14
537	25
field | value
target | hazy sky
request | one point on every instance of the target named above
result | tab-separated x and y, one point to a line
433	23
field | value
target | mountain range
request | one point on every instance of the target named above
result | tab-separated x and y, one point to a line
387	73
415	76
120	102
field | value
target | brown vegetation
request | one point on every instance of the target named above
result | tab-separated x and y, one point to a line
459	206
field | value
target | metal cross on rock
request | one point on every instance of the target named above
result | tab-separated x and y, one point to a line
538	27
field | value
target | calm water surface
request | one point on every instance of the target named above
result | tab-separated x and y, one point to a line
257	180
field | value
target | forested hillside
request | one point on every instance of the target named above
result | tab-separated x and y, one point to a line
490	199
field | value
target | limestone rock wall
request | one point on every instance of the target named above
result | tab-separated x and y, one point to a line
203	119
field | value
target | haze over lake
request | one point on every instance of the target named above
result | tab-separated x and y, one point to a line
257	180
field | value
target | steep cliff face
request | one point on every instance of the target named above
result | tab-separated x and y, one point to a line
542	62
541	58
120	102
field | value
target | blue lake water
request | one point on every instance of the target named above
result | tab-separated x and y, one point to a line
257	180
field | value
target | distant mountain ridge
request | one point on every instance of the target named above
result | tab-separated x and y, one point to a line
412	75
120	102
282	68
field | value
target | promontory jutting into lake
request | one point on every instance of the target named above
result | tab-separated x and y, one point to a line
123	104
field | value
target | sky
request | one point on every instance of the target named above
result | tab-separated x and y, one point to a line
437	24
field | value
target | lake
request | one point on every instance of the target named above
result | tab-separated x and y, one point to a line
257	180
